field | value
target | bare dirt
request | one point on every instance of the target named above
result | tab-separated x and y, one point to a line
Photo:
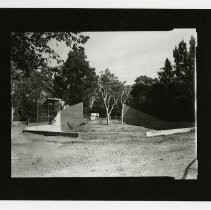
128	154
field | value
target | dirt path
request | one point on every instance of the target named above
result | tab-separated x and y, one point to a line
39	156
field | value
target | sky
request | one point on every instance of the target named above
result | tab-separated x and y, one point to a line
130	54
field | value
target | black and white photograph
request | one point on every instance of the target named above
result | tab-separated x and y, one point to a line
104	104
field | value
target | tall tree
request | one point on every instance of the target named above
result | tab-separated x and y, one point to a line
180	55
191	62
166	74
110	89
76	81
192	52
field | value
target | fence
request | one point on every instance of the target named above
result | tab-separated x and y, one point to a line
40	119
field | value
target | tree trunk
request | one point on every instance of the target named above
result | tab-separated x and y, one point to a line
107	118
122	114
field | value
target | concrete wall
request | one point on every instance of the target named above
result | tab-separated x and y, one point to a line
71	117
136	117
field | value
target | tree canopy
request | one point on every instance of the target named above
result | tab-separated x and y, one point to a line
166	74
30	54
76	81
28	48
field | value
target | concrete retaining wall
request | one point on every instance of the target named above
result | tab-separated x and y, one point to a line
71	117
136	117
63	123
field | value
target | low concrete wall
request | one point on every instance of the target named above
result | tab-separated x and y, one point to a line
50	128
168	132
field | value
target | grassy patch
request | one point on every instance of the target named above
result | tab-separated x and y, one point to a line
98	126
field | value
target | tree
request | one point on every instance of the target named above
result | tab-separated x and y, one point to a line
166	74
140	90
184	81
189	77
28	48
192	53
18	90
30	90
76	81
180	55
110	89
39	86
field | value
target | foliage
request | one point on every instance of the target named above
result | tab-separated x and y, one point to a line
26	93
30	53
140	92
110	89
171	95
76	81
124	98
28	48
166	75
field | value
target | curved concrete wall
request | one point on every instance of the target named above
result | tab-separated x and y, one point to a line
71	117
136	117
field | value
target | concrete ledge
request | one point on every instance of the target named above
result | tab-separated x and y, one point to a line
168	132
49	130
53	133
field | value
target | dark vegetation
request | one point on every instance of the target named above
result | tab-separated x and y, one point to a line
171	95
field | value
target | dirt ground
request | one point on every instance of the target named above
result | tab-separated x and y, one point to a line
128	154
